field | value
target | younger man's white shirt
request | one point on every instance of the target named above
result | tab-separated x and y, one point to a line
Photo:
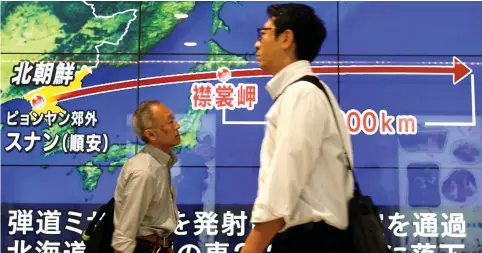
303	175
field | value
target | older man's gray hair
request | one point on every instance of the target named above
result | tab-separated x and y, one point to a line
143	118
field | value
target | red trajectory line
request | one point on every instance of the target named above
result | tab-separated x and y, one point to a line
458	70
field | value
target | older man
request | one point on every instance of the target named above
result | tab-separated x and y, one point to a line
145	212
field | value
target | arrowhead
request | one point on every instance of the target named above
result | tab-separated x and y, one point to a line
460	70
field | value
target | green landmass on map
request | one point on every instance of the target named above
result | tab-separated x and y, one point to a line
158	21
56	130
90	175
218	23
190	126
190	122
47	28
70	28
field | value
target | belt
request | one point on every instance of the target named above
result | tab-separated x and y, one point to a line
164	242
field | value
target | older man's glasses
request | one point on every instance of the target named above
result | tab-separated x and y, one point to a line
261	31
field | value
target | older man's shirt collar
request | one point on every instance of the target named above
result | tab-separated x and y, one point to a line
169	159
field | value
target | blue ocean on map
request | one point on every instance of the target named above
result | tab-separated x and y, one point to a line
434	170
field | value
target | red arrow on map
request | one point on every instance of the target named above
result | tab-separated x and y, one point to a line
458	70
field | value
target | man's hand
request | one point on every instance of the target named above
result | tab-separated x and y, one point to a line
262	234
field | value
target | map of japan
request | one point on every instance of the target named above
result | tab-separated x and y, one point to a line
107	37
44	99
406	77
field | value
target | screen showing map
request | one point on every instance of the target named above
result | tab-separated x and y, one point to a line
406	75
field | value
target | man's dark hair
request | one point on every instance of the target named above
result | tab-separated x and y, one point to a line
308	29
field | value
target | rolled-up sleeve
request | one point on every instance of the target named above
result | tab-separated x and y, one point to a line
133	197
299	131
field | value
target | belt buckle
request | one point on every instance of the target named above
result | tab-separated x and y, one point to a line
164	243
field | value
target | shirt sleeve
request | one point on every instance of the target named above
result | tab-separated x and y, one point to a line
300	122
132	202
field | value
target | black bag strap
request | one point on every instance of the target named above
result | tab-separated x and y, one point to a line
314	80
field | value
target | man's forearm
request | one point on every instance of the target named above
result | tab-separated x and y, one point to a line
261	235
121	245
